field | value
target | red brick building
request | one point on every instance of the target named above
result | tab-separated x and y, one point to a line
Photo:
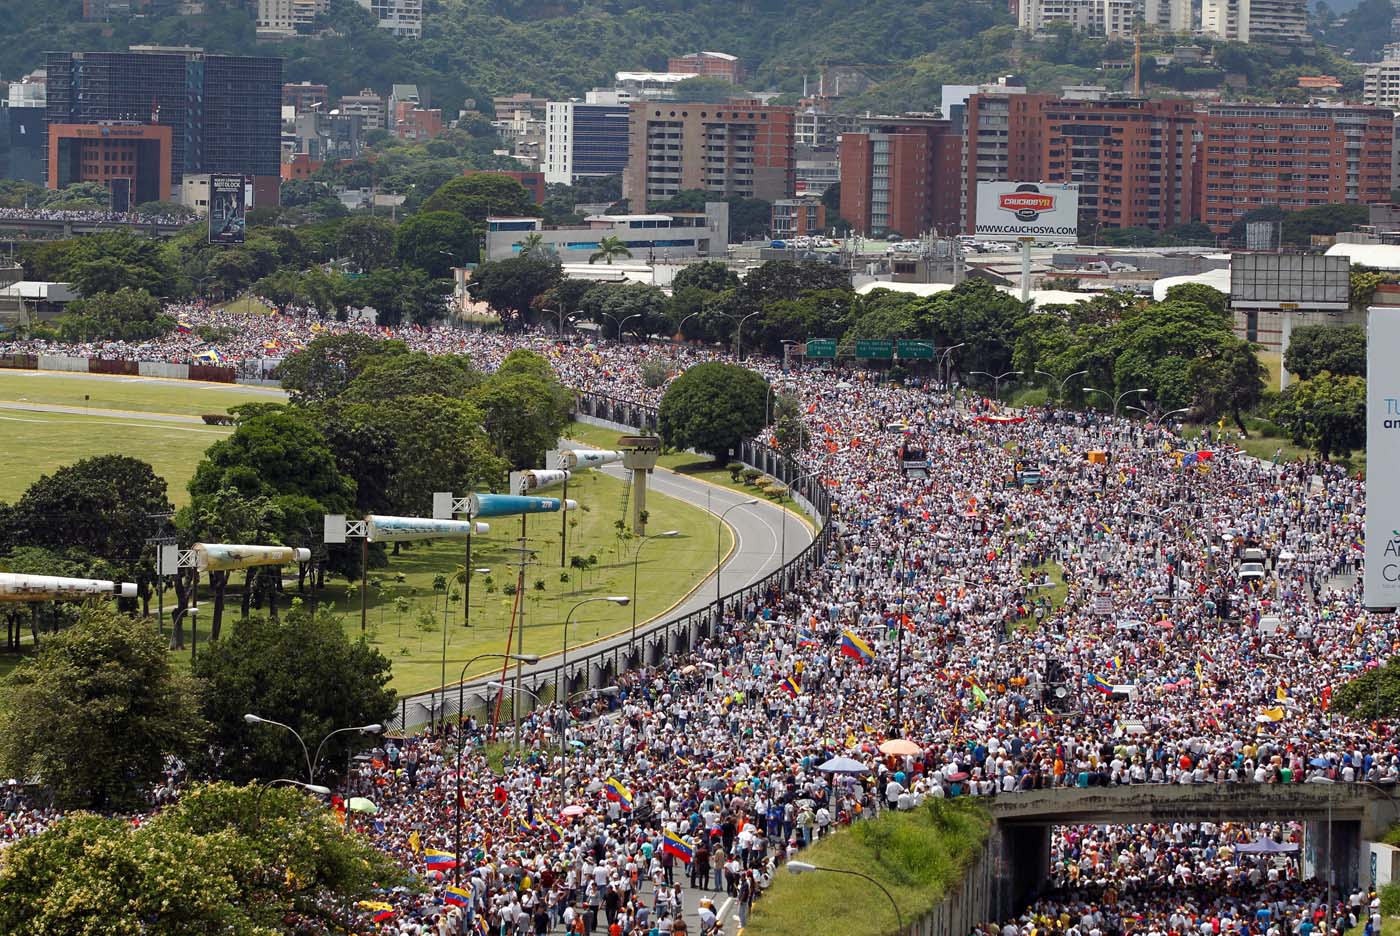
734	148
797	217
131	158
1293	157
901	174
710	64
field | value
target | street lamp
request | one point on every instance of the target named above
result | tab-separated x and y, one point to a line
996	380
620	600
680	329
1116	399
1060	393
636	560
457	809
1162	418
947	356
252	719
719	539
263	788
803	867
739	332
622	324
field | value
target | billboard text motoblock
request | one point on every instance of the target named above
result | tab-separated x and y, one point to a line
1382	544
228	209
1045	211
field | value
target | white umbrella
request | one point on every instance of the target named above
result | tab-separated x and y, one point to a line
844	765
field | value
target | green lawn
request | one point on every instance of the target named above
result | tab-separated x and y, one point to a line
1055	595
919	856
413	637
143	394
34	444
687	463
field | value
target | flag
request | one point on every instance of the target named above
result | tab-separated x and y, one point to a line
1326	698
791	687
1358	544
853	646
456	897
1274	714
615	791
1280	694
979	694
415	842
481	928
439	860
184	328
556	832
1116	663
383	916
673	844
1207	657
1099	684
524	826
1102	527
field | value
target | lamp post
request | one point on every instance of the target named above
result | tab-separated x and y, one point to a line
252	719
1060	392
719	540
620	324
1116	399
636	560
803	867
680	329
568	720
518	690
457	808
738	332
621	600
996	380
947	356
263	788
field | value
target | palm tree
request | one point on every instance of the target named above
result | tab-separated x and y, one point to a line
533	243
608	248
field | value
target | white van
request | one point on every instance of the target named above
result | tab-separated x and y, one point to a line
1250	571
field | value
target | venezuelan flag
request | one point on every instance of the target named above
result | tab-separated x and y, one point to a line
673	844
1094	681
456	897
184	328
790	686
524	826
556	832
1280	694
383	916
1102	527
439	860
614	790
853	646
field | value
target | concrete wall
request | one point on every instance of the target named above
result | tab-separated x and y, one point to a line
54	362
162	369
973	901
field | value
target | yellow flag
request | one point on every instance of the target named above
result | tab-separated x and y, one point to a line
1280	695
415	842
1274	714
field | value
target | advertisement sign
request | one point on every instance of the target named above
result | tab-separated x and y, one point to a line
407	529
1045	211
227	209
16	587
504	505
224	557
1381	587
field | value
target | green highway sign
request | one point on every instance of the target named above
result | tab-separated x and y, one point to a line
915	349
881	348
820	349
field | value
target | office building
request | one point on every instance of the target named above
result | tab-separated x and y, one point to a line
797	217
132	160
22	146
817	170
1001	143
29	91
1291	156
1110	18
710	64
222	113
1275	22
901	175
734	148
403	18
584	141
650	237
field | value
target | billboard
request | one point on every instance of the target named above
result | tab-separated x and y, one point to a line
227	209
1309	281
1381	586
1045	211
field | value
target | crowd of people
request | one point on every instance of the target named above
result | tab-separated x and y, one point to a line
89	215
1052	599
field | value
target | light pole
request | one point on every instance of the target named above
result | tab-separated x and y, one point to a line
252	719
457	809
374	728
996	380
680	329
1060	393
636	560
1162	418
738	332
620	324
803	867
518	690
719	540
620	600
947	356
1116	399
568	720
263	788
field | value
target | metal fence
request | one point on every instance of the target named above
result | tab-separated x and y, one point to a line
599	667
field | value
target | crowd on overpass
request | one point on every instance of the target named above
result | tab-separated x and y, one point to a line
1157	662
88	216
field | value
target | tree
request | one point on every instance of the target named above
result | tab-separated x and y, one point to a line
609	247
1201	294
96	711
104	262
326	366
513	284
303	670
401	295
368	243
222	859
712	408
749	218
481	195
1326	413
435	242
524	408
271	455
389	377
709	275
1374	695
621	301
1338	349
788	279
1229	378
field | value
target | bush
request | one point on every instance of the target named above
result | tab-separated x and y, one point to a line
751	475
654	373
734	469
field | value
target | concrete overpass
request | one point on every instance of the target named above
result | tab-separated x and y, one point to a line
1340	820
28	229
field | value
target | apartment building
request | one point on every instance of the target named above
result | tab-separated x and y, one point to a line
281	19
1293	157
901	175
710	64
403	18
584	140
1275	22
368	106
734	148
1168	15
1382	84
797	217
1111	18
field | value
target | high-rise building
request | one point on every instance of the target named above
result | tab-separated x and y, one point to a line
280	19
403	18
1001	143
733	148
1168	15
710	64
368	106
223	113
901	175
584	141
1291	156
1276	22
1111	18
1382	84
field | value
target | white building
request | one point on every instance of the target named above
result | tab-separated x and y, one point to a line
1111	18
1276	22
650	238
1382	84
584	140
1169	15
403	18
279	19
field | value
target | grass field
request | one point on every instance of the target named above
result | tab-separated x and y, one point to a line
1055	594
144	394
406	613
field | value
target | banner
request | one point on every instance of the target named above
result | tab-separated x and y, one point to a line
406	529
503	505
227	209
224	557
1045	211
1381	585
16	587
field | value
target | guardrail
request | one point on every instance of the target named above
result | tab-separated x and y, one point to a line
596	668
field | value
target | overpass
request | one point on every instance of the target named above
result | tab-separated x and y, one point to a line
25	229
1340	820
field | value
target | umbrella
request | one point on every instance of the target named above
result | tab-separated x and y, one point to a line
594	786
843	765
1319	762
713	783
900	747
360	804
958	777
